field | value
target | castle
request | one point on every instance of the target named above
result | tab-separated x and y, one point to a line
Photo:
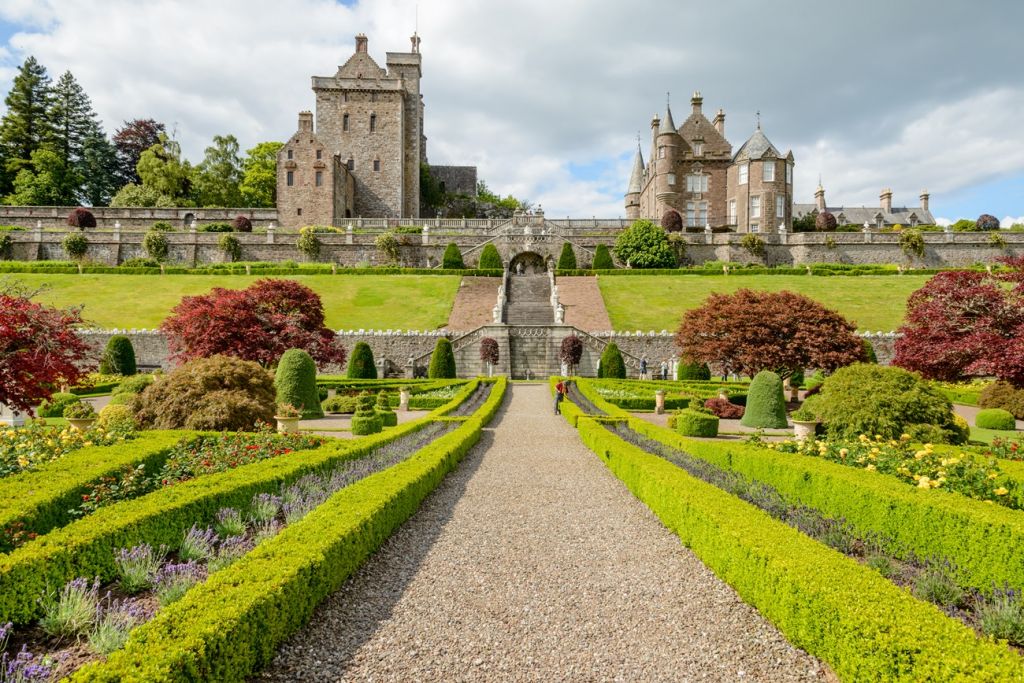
362	155
693	180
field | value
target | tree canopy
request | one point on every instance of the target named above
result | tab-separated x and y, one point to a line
259	175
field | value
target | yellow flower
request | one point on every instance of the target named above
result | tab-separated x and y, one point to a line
904	437
924	483
843	452
22	461
993	475
863	437
1001	491
870	467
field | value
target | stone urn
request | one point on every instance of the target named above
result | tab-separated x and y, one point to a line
81	424
403	399
659	402
287	424
804	429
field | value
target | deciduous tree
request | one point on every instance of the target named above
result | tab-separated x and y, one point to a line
162	170
571	352
217	177
645	245
750	331
258	323
259	175
130	141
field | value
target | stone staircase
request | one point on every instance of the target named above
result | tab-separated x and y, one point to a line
529	300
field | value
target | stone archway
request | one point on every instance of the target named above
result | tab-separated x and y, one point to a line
532	263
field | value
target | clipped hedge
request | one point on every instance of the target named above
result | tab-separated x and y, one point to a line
231	625
863	626
41	498
995	418
696	423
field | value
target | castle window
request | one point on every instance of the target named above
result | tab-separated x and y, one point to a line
319	178
351	163
291	178
376	165
732	212
373	97
319	154
780	206
373	122
755	206
744	172
290	155
298	212
344	122
698	149
661	152
671	178
768	172
754	227
696	214
789	174
696	182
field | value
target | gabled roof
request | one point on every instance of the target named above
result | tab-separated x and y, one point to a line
858	215
361	65
636	177
697	126
756	147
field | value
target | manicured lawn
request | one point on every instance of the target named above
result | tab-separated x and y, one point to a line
407	302
657	302
986	435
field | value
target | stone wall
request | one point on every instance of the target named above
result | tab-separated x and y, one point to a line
455	179
56	217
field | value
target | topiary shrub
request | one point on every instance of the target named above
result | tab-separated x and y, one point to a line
766	404
880	400
1003	395
156	245
366	420
241	224
672	221
118	417
231	247
490	259
341	404
295	382
452	259
216	393
723	408
869	352
81	218
383	408
308	243
119	357
490	354
693	371
825	222
133	385
986	222
995	418
612	364
361	364
75	245
603	258
55	405
442	361
567	259
695	423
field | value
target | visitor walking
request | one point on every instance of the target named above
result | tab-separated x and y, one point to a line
643	368
561	390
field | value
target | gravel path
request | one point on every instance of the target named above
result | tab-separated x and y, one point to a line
532	562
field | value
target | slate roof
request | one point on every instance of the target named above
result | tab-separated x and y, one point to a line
636	178
857	215
756	147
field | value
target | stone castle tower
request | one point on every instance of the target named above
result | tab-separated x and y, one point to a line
693	174
364	156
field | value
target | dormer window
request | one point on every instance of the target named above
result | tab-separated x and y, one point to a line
744	172
768	172
698	149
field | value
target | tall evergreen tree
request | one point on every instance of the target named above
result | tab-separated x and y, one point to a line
98	170
75	125
130	141
217	177
26	125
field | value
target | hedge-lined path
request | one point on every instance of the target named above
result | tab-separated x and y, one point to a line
532	562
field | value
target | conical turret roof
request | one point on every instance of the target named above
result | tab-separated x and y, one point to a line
668	126
756	147
636	178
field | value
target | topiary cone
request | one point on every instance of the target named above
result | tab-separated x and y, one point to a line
295	382
612	365
442	361
766	404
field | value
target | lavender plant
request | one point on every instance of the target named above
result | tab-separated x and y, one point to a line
137	566
229	523
114	622
72	610
264	507
173	580
935	584
198	545
1003	617
229	551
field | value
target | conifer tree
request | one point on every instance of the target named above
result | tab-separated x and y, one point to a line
26	124
77	134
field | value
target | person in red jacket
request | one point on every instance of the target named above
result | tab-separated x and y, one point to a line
561	390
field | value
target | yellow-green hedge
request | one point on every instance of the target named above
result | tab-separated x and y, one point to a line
863	626
231	625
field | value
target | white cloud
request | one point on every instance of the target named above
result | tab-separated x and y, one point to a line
1010	221
943	221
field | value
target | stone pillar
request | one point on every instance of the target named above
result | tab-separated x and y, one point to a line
348	234
426	235
270	233
11	417
403	400
659	402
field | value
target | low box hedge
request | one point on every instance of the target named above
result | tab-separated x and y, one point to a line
86	547
231	625
41	498
696	423
862	625
995	418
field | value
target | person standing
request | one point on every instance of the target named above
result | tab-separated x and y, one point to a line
664	371
643	368
561	390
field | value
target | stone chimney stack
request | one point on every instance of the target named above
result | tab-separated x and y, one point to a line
655	125
719	122
924	199
696	101
886	199
415	43
819	199
361	42
306	121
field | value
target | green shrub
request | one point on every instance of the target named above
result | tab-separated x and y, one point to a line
140	262
217	226
124	399
134	384
912	243
6	246
612	364
55	405
308	243
869	352
341	404
1003	395
388	247
490	259
383	408
442	361
366	420
156	245
691	422
874	399
644	245
162	226
231	247
995	418
698	371
215	393
295	382
602	258
567	259
115	416
452	259
361	365
118	357
753	244
766	404
75	245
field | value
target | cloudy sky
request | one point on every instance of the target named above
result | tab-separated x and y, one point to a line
547	97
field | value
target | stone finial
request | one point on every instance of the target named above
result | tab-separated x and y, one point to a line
415	40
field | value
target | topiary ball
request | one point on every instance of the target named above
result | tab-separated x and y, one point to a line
995	418
986	222
825	222
295	382
81	218
1003	395
672	221
766	404
693	371
119	357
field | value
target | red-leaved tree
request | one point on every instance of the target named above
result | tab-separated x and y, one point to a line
750	331
258	323
965	323
571	352
489	351
39	350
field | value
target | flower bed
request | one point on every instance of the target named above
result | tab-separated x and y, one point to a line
37	443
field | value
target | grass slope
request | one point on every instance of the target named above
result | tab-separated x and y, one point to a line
657	302
413	302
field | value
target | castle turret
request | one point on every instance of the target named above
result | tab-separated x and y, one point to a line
635	186
666	188
306	121
819	198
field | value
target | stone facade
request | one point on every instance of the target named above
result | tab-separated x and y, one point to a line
369	122
881	216
455	179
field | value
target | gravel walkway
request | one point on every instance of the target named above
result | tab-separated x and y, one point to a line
532	562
